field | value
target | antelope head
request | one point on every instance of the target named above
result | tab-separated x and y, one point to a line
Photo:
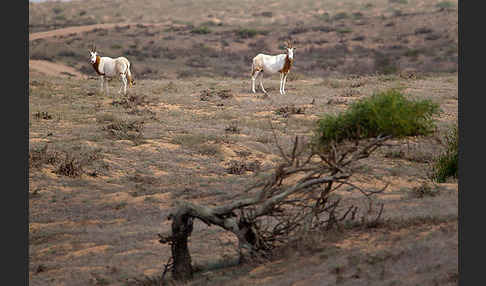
92	54
290	50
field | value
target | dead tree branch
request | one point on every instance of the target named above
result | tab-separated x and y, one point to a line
294	199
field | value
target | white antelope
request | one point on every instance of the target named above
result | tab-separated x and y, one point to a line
107	67
272	64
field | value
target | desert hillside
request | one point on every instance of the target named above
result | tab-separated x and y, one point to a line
207	38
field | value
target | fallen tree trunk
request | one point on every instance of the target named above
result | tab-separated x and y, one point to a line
294	207
181	230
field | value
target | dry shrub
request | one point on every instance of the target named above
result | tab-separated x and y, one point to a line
357	83
125	126
76	163
243	153
208	149
287	110
42	115
238	167
350	92
205	95
425	190
70	167
209	93
131	101
40	156
171	87
224	93
73	164
337	101
447	163
233	128
126	130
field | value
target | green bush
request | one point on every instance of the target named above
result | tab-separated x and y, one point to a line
446	164
445	5
412	53
245	33
340	16
343	30
386	113
324	17
56	10
60	17
201	30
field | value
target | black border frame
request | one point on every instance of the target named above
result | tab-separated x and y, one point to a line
15	88
470	172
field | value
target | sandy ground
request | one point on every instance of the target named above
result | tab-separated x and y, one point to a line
54	69
102	229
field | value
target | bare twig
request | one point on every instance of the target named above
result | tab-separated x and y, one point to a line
364	192
282	153
167	267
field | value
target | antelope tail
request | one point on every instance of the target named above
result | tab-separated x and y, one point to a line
131	82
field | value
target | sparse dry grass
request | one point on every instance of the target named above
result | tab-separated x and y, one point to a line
100	226
190	149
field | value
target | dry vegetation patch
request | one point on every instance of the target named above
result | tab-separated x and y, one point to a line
285	111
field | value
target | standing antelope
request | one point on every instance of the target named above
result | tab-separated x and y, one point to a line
272	64
110	68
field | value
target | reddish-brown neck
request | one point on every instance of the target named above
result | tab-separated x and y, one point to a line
96	65
287	65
